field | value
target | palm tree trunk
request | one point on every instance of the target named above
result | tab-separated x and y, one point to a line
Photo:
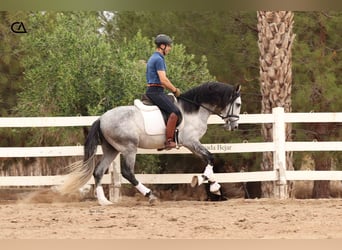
275	39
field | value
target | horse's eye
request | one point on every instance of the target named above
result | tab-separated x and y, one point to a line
238	104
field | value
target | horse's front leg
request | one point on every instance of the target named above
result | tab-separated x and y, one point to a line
208	175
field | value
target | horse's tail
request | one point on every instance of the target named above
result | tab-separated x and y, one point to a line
81	171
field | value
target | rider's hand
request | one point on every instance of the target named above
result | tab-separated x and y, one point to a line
177	92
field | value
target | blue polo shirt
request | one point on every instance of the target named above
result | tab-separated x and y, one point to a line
154	64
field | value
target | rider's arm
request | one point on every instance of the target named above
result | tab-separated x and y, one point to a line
165	81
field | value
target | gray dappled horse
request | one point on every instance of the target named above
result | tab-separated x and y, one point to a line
124	129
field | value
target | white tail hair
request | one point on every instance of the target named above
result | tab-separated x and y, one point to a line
80	173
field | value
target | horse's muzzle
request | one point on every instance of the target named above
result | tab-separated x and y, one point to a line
231	126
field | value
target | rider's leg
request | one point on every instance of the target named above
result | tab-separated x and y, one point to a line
170	131
163	102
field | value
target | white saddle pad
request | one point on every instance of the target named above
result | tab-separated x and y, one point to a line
153	119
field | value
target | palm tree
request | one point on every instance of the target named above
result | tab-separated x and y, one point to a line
275	39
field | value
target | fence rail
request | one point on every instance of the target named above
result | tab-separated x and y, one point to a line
279	146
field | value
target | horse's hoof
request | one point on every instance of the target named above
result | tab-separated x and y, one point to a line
105	202
152	199
218	192
101	198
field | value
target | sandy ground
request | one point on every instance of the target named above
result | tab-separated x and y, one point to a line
135	218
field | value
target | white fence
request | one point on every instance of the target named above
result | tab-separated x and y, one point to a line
279	146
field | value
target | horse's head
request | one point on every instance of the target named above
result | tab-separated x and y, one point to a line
232	111
218	98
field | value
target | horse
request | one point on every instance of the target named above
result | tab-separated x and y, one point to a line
124	130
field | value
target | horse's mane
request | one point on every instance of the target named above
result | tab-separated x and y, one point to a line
212	93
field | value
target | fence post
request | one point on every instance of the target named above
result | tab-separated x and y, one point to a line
279	155
114	190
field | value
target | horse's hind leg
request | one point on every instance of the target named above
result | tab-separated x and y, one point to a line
109	154
127	171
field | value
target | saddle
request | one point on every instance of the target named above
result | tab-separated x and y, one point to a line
154	119
147	101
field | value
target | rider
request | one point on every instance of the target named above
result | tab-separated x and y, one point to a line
157	81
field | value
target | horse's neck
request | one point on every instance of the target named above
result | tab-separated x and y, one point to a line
201	116
204	114
195	125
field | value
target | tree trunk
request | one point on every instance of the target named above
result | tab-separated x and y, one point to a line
275	39
321	189
323	160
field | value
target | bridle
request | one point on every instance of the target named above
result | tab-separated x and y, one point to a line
231	109
229	112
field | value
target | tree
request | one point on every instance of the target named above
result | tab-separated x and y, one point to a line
66	57
275	44
317	85
72	68
10	65
11	72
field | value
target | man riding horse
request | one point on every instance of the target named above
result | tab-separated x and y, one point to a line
157	81
122	130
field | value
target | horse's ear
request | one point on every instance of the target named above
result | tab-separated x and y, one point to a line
238	88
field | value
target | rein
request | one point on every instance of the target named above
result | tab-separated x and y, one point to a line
212	111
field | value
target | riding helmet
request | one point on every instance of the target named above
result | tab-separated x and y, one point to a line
162	39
